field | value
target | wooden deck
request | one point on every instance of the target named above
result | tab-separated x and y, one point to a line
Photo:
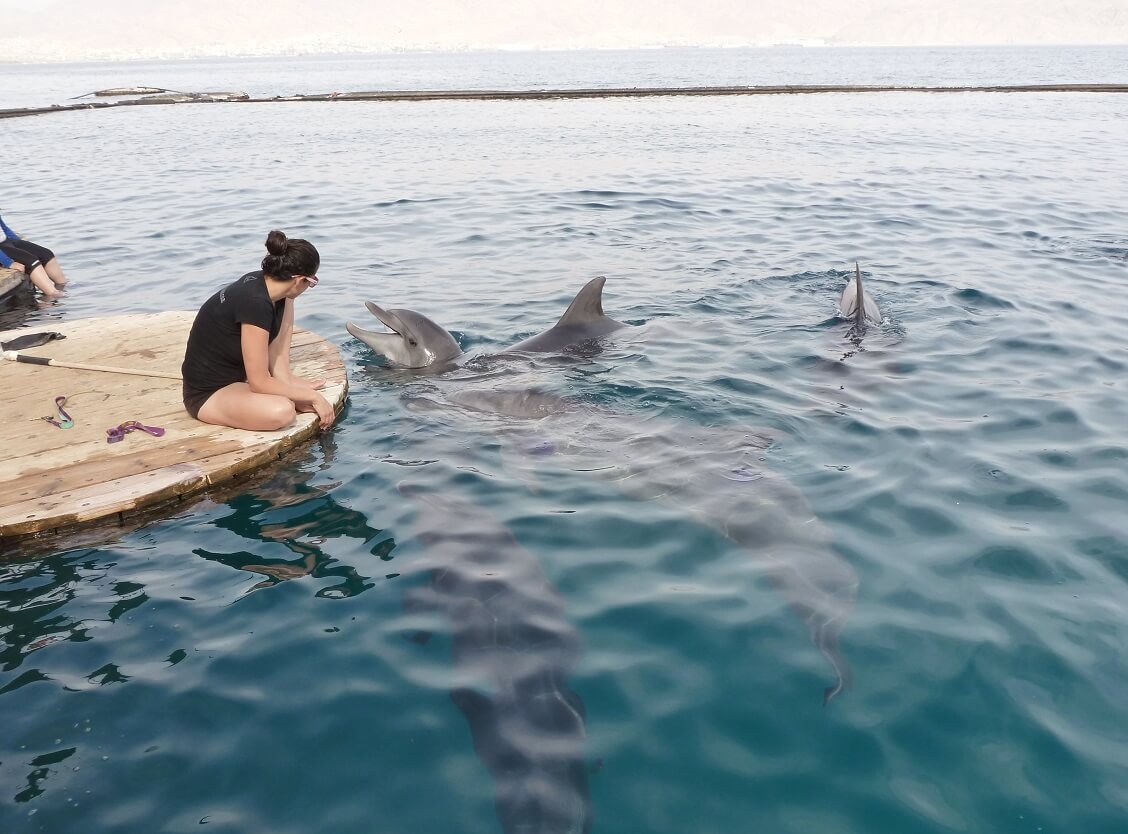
53	479
11	282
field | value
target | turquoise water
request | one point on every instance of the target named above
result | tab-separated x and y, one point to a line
249	664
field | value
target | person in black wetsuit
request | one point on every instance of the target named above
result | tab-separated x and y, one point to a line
237	363
37	262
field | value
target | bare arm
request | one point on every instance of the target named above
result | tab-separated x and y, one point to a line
255	344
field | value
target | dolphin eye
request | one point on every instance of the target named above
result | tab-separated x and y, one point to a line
412	342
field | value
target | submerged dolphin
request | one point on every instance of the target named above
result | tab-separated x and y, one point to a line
855	304
714	474
417	342
510	636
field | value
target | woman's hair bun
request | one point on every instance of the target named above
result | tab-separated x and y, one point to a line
276	243
289	257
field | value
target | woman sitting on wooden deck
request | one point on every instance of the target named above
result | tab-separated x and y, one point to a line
37	262
237	364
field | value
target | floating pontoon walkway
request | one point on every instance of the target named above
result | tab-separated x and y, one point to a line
538	95
53	478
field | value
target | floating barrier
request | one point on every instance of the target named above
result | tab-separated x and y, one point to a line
170	97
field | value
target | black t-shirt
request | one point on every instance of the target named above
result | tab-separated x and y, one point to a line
214	356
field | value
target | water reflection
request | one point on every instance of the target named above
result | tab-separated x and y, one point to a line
287	511
279	528
32	598
283	510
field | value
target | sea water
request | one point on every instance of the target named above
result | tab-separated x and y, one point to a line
246	663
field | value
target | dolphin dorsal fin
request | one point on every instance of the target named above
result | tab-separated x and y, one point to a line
587	305
860	314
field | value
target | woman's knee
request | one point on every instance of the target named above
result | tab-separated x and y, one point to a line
279	414
237	407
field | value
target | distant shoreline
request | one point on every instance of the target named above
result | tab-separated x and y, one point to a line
95	58
540	95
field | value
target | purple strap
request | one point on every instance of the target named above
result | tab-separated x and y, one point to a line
66	422
119	432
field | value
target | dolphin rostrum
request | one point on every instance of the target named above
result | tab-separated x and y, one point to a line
510	639
855	304
417	342
414	341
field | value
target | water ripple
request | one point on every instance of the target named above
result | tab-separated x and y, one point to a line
966	459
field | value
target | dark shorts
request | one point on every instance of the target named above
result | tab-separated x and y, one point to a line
27	254
194	399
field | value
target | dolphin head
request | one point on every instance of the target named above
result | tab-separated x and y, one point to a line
414	341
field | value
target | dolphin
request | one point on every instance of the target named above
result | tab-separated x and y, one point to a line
855	304
417	342
713	474
414	341
510	636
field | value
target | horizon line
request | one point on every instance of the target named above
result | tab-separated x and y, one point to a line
530	49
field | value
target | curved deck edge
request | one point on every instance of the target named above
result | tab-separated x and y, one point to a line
57	481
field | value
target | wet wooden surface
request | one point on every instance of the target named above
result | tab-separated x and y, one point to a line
12	281
54	479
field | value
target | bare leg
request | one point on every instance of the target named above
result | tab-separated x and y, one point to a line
239	407
43	282
55	272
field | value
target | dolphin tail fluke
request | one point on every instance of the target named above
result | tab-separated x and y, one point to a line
587	306
827	642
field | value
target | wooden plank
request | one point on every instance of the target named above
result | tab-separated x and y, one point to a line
141	489
185	440
12	282
42	446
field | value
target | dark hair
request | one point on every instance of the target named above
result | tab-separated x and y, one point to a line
289	257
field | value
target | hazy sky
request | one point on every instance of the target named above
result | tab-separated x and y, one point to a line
36	30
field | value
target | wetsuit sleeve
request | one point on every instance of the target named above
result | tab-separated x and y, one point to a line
5	261
8	233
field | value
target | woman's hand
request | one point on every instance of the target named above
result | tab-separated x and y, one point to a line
325	413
